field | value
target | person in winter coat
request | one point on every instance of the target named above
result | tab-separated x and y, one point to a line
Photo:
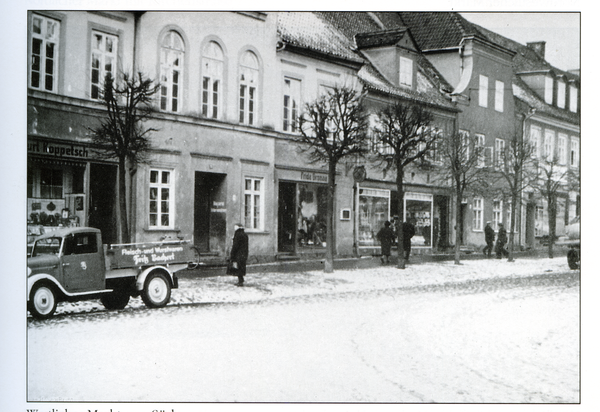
386	237
408	231
239	254
502	240
490	236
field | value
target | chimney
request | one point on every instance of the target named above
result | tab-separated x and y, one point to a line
539	47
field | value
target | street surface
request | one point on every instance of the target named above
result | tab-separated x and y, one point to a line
483	332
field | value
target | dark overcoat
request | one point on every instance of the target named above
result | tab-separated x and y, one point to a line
386	236
239	252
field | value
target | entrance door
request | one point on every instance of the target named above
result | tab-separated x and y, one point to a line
103	198
210	212
287	226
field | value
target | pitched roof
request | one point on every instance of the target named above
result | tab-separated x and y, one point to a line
379	38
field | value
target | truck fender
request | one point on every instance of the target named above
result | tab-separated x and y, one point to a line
141	279
43	276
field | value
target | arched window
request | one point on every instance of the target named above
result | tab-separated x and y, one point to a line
171	71
248	87
212	79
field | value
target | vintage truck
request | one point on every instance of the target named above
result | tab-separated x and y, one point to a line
573	242
71	264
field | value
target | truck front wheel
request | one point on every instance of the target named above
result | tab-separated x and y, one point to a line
42	301
157	290
573	259
115	300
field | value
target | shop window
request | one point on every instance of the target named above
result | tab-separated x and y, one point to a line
249	70
483	91
253	203
160	199
477	214
496	213
419	210
104	59
291	104
499	100
212	78
51	184
171	71
312	213
373	211
43	71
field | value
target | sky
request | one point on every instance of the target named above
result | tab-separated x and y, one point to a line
560	31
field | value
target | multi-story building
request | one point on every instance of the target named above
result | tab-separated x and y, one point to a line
232	86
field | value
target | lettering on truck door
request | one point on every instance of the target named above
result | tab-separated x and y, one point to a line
83	269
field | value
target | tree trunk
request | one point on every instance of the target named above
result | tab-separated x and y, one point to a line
330	214
400	229
511	235
122	193
551	224
459	224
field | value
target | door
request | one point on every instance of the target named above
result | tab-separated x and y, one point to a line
210	212
287	226
103	200
82	265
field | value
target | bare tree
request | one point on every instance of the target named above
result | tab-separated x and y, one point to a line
333	127
402	135
121	134
464	168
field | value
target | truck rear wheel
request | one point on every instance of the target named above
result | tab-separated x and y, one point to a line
42	301
573	259
157	290
115	301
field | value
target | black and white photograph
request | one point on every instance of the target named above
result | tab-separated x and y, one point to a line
297	208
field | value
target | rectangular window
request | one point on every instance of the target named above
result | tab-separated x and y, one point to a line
562	149
464	139
406	71
574	152
549	145
480	149
573	96
44	53
291	104
160	199
499	101
562	94
253	203
534	140
104	58
539	220
500	143
497	213
548	90
51	184
477	213
210	97
483	91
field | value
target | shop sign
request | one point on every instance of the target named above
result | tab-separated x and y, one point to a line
218	207
57	149
313	177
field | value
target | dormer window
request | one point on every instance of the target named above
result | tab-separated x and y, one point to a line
483	91
548	90
406	72
573	96
562	94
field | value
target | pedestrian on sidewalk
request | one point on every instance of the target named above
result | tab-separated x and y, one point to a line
502	240
490	236
386	237
408	231
239	254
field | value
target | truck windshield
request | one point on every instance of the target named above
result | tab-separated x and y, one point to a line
48	246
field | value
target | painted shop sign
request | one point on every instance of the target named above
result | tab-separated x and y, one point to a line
218	207
146	254
57	149
313	177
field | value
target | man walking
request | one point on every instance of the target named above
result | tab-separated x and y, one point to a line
489	240
239	254
502	240
385	237
408	231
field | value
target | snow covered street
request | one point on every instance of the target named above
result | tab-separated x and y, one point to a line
486	331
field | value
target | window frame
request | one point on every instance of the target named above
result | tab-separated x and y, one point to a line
535	140
103	54
562	148
480	149
168	87
295	96
248	102
561	98
497	208
573	98
499	96
574	152
250	223
43	60
478	209
159	185
549	136
213	72
405	71
499	148
483	90
548	89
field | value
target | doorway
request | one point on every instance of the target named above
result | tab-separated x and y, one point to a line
103	200
286	231
210	212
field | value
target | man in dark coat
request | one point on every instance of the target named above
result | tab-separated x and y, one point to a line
408	231
502	240
490	236
239	254
385	237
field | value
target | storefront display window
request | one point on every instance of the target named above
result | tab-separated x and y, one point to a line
312	212
419	209
373	211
